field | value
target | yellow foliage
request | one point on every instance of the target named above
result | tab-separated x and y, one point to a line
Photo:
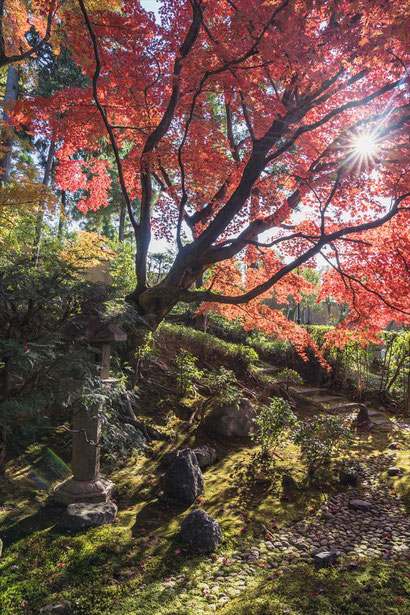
87	249
25	196
20	201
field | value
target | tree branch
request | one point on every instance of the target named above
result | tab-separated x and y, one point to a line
104	116
352	278
188	296
4	60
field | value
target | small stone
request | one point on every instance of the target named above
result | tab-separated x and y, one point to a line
361	505
205	455
83	515
201	531
394	471
326	558
62	608
348	478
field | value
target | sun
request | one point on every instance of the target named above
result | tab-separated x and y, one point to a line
364	145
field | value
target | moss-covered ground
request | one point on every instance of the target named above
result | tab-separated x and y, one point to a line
124	569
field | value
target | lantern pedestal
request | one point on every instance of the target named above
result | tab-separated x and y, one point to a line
72	491
86	484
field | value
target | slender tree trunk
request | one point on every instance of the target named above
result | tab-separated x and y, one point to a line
121	228
62	214
40	215
4	394
12	86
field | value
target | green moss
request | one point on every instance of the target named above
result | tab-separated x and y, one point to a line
373	589
122	569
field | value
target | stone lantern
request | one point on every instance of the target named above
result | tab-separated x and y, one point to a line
86	484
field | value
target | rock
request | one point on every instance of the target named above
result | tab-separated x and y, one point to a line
231	421
183	481
62	608
205	455
361	505
348	478
289	484
362	419
325	558
394	471
168	458
83	515
201	532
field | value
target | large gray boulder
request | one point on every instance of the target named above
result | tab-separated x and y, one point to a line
231	421
201	531
183	482
83	515
62	608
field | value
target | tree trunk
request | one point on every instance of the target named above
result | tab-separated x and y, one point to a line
121	228
40	215
12	86
4	396
62	215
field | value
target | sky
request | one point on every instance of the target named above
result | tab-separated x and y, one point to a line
151	5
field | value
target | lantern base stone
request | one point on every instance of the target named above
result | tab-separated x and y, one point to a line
72	491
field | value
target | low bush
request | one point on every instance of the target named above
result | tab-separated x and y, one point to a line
321	439
274	422
211	349
187	373
287	377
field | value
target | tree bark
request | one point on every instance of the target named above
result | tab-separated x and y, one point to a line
62	214
12	86
40	215
121	228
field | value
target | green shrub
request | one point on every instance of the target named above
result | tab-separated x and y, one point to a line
187	373
273	423
223	388
289	376
36	303
320	439
210	348
118	437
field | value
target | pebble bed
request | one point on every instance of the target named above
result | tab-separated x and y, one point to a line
382	532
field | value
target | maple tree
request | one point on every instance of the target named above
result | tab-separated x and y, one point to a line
258	135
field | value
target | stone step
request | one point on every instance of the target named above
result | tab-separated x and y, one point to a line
380	420
309	391
343	406
329	398
269	370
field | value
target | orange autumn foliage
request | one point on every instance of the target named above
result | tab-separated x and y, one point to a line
238	126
